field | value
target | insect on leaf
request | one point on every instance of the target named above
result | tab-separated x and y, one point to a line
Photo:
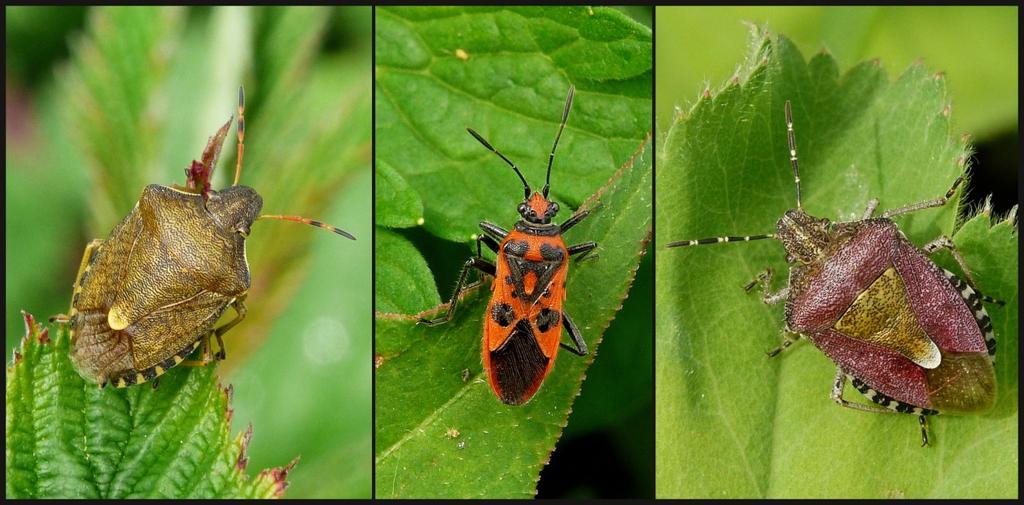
730	421
429	433
504	72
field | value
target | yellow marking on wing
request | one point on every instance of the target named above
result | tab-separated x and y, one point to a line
882	315
116	320
121	383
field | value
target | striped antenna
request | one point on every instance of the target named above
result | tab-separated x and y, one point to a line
526	186
241	135
318	224
792	151
551	157
719	240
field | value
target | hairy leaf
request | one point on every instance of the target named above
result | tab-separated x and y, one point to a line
66	438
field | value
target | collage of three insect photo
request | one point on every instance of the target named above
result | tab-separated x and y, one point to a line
388	252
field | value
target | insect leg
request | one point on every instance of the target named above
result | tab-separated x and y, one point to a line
488	241
764	280
474	262
493	231
944	243
927	204
887	404
837	396
206	359
583	250
83	272
574	220
870	209
240	312
786	342
580	348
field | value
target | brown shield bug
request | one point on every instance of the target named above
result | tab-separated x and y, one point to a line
149	295
913	338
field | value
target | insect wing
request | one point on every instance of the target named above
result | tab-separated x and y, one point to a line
905	329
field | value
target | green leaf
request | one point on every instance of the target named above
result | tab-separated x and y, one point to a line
397	204
505	72
733	423
440	430
404	282
66	438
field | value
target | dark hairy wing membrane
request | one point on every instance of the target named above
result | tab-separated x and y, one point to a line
519	364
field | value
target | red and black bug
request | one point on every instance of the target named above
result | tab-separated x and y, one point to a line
524	318
912	337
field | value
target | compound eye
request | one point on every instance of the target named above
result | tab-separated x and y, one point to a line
553	209
522	208
242	230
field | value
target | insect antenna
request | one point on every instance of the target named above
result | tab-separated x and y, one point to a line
241	135
311	222
526	186
551	157
792	151
718	240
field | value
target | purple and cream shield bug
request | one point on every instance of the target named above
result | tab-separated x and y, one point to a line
912	337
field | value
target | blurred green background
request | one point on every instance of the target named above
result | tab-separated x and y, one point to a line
607	448
976	47
101	101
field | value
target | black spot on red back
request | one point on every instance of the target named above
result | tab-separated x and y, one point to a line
547	319
550	252
503	314
516	247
